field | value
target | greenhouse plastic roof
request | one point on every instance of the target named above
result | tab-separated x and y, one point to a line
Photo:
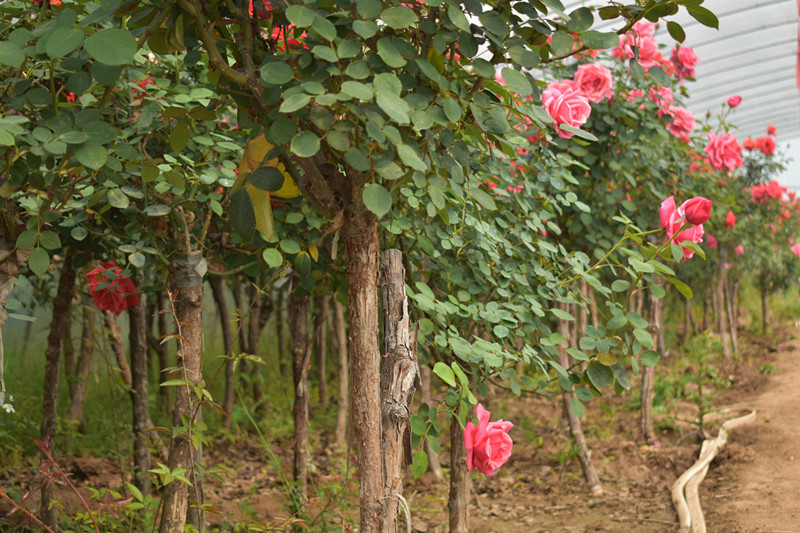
753	54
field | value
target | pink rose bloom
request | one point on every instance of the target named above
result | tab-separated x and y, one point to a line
499	77
685	60
723	151
697	209
645	28
796	249
739	250
734	100
489	444
648	53
728	266
683	121
625	48
730	219
670	219
594	82
711	241
661	96
565	105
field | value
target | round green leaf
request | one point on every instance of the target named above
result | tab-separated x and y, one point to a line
113	46
272	257
300	16
39	261
295	102
377	199
289	246
91	155
305	144
266	178
281	131
136	259
10	54
79	233
49	240
118	199
157	210
277	73
63	41
517	82
650	358
74	137
600	375
398	17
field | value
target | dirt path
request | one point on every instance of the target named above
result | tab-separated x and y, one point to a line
755	484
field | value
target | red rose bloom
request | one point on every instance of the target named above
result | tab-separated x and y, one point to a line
766	145
730	219
111	291
697	210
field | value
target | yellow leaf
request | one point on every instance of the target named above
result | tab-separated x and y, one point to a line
606	358
253	158
314	252
263	210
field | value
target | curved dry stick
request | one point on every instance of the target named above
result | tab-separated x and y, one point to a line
714	446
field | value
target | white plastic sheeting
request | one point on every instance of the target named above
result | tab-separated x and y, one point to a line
753	54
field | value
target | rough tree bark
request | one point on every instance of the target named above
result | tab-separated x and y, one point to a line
399	371
58	331
137	316
575	425
321	344
115	336
284	359
425	397
187	280
719	296
460	482
654	309
301	352
343	396
218	291
360	238
85	355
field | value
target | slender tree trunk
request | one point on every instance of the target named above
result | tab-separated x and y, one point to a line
58	332
722	327
425	396
301	352
687	320
360	237
460	482
137	316
593	310
321	345
188	308
735	298
575	425
731	316
764	311
253	334
85	355
398	374
218	291
343	396
655	307
706	306
115	334
69	357
284	359
162	350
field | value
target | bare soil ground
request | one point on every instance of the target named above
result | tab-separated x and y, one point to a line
753	486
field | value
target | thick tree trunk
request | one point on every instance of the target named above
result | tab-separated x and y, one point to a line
575	425
655	307
58	332
137	316
85	355
425	396
301	352
722	326
360	237
69	357
321	345
460	482
188	306
397	384
218	291
343	396
764	311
